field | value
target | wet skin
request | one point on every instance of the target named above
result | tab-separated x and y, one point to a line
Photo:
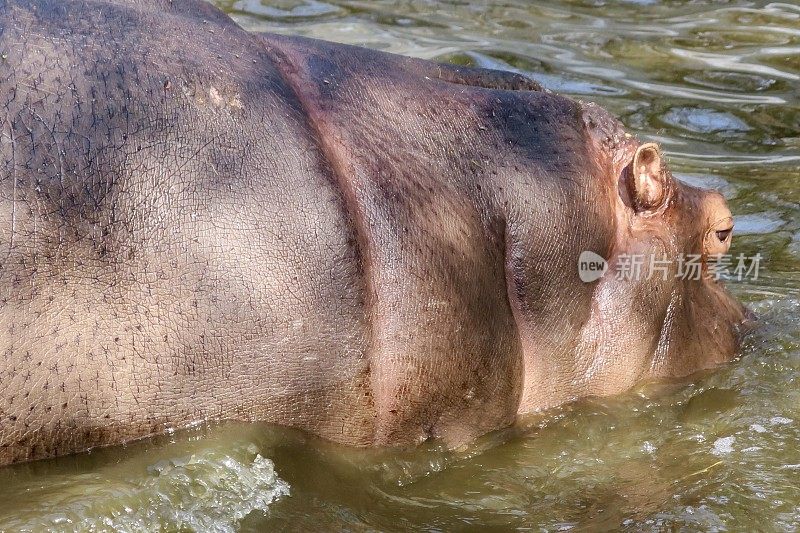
198	223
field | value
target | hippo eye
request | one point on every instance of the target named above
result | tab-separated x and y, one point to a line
723	234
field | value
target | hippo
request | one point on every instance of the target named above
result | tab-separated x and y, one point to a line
202	224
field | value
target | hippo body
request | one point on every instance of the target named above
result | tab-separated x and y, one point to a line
199	223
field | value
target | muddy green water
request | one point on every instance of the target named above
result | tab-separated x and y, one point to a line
717	83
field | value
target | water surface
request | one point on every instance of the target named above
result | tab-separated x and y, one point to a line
717	83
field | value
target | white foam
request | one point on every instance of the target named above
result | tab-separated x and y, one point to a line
209	491
723	446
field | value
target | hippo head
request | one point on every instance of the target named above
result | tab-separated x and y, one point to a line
660	309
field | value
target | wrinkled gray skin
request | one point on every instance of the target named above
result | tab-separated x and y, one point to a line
197	223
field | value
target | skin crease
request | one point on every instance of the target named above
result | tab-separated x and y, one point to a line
197	223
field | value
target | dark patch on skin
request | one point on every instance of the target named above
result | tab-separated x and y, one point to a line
539	125
326	73
53	13
486	78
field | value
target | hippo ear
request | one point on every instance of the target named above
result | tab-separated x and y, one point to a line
648	181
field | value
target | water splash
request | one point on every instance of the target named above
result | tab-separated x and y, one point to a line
208	491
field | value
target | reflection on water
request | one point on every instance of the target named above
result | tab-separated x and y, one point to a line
717	84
